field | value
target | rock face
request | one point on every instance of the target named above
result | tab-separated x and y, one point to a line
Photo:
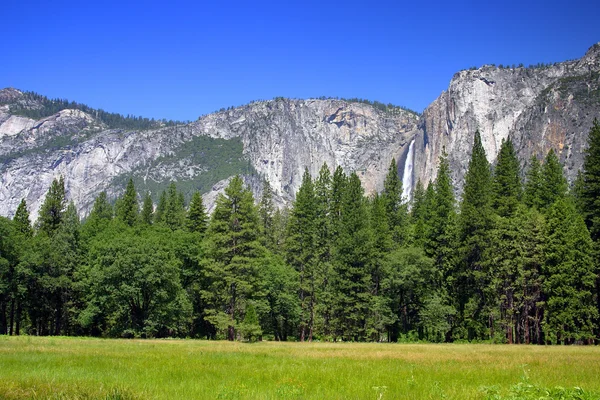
280	139
539	108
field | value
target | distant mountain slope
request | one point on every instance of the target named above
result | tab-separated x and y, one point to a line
542	107
273	139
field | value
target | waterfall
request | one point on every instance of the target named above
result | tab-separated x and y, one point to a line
407	176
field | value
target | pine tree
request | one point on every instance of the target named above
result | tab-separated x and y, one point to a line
352	256
590	193
161	208
175	211
554	184
102	208
300	253
507	186
589	200
147	210
569	276
128	209
440	244
323	246
532	196
232	268
396	209
339	184
51	211
266	210
22	221
197	220
380	316
99	218
475	224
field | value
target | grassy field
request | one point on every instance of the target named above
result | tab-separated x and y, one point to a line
83	368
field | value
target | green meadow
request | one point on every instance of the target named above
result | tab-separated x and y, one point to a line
84	368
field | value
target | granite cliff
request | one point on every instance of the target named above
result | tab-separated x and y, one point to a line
543	107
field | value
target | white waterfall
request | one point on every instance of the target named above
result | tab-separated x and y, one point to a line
407	176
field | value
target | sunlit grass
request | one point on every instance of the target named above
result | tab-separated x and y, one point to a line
73	368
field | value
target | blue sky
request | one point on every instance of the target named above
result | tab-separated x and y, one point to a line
179	60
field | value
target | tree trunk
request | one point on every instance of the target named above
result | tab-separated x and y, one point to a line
12	316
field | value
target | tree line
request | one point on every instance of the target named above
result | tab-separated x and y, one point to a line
46	107
513	261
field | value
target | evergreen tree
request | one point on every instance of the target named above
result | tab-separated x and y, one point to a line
589	200
569	276
161	208
475	225
554	184
99	218
338	188
266	210
590	193
147	210
197	220
380	316
102	208
440	244
323	248
175	211
396	209
232	270
352	280
532	196
128	208
507	182
51	211
300	250
21	220
8	261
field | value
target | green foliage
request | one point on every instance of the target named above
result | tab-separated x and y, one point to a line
250	327
22	221
233	276
46	107
147	214
197	220
395	208
214	160
533	192
507	185
554	183
475	225
127	208
590	191
351	260
570	275
51	211
174	214
133	286
301	252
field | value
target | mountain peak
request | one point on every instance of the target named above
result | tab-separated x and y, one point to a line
9	95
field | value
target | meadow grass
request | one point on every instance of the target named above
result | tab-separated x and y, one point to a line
86	368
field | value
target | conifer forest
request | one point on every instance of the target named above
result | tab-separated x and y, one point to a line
513	259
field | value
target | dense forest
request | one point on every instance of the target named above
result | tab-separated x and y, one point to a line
513	261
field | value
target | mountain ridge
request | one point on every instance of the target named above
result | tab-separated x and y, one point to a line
550	106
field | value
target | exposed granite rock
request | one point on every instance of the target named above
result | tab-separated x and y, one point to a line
539	108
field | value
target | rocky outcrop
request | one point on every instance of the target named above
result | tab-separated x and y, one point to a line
539	108
280	139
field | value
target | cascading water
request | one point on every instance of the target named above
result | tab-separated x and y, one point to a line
407	176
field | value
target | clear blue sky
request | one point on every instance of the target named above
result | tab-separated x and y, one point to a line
178	60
